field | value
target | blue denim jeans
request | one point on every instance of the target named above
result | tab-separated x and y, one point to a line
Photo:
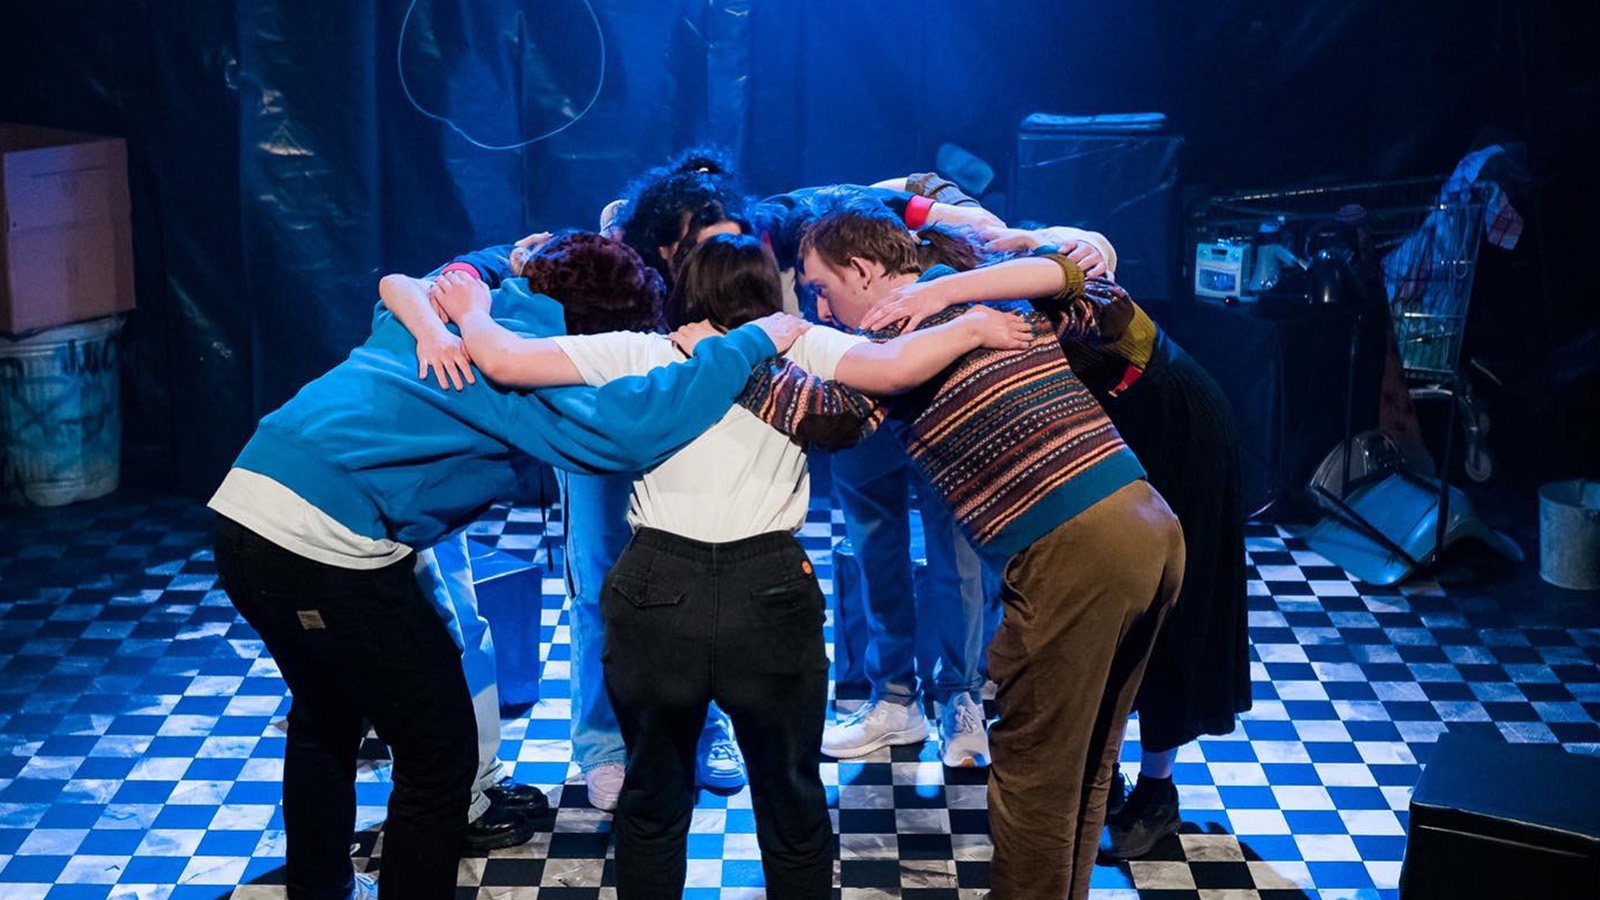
444	573
874	483
594	516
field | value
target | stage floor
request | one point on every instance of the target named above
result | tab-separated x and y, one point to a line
141	748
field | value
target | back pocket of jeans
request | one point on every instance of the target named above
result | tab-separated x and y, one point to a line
778	600
787	619
642	593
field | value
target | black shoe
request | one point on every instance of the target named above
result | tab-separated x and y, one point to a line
501	826
1119	791
516	795
1149	816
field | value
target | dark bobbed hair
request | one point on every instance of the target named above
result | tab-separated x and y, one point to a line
783	224
691	239
601	284
729	279
956	246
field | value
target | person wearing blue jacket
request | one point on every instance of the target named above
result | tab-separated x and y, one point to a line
320	522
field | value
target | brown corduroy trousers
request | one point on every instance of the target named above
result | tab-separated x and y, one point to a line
1082	608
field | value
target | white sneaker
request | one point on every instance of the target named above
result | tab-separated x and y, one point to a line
605	786
963	733
875	725
720	765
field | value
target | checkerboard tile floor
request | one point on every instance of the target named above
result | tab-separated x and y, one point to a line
141	745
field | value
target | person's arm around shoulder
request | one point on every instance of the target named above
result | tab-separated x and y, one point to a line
1091	251
1053	281
505	358
899	365
1014	279
638	420
832	406
406	298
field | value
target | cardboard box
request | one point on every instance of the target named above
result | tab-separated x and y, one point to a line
66	252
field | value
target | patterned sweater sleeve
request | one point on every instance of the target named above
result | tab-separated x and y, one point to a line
1090	310
824	415
939	189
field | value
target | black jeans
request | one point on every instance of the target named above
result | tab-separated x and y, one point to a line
740	623
354	644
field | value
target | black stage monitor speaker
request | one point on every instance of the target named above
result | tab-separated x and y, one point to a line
1117	175
1490	819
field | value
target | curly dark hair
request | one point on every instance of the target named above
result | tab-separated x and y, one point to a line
671	203
601	284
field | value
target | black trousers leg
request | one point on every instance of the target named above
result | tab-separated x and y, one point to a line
772	678
741	623
657	665
780	733
354	644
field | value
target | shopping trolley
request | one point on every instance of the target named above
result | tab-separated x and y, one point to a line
1429	247
1428	244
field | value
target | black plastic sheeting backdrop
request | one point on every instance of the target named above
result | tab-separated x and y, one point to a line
278	169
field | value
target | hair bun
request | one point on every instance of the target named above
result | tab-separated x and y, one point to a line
705	160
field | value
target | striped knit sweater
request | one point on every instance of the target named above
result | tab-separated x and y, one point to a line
1012	440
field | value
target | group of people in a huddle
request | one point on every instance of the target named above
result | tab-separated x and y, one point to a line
681	368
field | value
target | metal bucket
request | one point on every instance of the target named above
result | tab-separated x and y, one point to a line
61	414
1569	534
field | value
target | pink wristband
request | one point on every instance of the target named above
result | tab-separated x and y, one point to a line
466	267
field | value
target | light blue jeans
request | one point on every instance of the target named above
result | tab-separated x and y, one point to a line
444	571
595	520
873	483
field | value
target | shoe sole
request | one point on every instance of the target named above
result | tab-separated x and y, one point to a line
509	839
968	761
530	807
724	784
1143	850
897	739
600	801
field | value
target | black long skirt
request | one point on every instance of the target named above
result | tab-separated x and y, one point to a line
1178	421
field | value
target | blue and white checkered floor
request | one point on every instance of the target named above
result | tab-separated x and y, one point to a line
141	749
